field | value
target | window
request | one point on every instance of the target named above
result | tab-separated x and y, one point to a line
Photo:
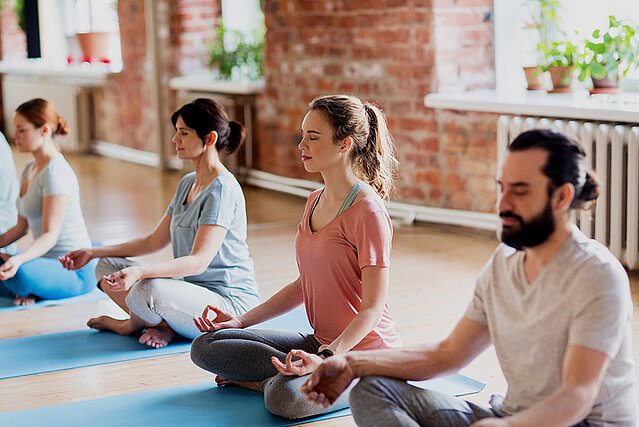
67	18
515	46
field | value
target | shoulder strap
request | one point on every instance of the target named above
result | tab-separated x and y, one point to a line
350	197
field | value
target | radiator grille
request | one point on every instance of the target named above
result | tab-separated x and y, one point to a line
613	153
71	101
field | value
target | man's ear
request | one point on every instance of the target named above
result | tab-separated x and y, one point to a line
211	138
347	144
564	196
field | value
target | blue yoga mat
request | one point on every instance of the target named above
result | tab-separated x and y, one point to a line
75	349
193	405
6	304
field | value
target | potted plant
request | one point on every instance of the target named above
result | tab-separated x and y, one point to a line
95	37
236	56
561	58
544	19
608	56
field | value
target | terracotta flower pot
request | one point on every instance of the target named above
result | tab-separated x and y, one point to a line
605	85
536	78
561	79
95	46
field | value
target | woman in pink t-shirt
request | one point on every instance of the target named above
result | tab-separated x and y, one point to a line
342	248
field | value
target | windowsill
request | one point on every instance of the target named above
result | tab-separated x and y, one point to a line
207	83
576	105
79	74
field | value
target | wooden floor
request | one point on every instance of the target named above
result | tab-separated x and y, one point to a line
432	278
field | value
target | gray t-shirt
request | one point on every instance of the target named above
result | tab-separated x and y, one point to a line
57	178
230	272
8	187
582	297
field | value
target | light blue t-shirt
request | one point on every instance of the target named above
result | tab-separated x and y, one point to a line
8	187
231	272
57	178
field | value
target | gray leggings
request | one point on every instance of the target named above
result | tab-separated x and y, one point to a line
388	402
175	301
245	355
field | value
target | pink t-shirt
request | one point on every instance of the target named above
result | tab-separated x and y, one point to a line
330	263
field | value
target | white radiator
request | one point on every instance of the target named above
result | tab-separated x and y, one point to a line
71	101
613	153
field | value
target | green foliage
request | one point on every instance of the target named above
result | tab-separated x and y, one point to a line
560	54
544	17
612	53
236	56
18	8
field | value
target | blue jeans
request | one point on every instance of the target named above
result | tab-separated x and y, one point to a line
46	278
381	401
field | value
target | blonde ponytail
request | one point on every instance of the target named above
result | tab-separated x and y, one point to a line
373	152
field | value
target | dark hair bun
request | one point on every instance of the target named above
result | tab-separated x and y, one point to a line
236	136
590	190
62	128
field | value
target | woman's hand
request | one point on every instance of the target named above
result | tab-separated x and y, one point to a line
306	363
122	280
222	320
10	266
77	259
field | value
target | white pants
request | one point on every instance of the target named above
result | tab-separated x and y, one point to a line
175	301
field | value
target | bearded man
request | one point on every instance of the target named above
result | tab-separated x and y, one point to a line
555	304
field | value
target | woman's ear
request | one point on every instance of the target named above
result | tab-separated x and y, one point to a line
45	129
347	144
211	138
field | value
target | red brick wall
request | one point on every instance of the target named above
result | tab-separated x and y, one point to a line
193	31
122	106
123	113
393	52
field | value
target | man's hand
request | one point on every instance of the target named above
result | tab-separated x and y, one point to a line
328	381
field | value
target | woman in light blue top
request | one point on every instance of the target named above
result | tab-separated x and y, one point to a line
8	191
206	227
49	206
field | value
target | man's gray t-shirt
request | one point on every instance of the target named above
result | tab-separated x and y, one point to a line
230	272
57	178
582	298
8	187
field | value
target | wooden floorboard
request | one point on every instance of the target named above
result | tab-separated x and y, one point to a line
432	279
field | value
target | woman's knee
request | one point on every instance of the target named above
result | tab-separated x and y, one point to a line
200	348
282	397
141	292
203	351
105	266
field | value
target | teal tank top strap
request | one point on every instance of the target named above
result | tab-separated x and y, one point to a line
350	197
315	203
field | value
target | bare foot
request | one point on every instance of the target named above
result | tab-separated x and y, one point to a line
158	336
106	323
28	300
250	385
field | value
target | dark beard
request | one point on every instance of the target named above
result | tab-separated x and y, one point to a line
531	233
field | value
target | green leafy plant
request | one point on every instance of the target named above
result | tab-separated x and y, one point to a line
237	56
610	54
544	17
560	54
